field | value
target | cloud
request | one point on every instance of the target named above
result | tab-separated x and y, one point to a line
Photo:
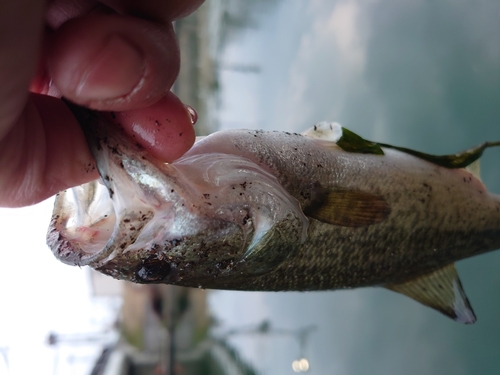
345	27
327	70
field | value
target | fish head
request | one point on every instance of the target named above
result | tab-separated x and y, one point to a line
207	219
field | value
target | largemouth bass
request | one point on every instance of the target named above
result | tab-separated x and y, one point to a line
276	211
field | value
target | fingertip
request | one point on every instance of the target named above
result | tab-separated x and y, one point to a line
165	129
113	62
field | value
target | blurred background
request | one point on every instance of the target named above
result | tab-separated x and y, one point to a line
419	74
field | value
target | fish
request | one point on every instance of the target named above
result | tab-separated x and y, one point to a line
257	210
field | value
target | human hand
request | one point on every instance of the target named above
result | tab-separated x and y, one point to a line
111	55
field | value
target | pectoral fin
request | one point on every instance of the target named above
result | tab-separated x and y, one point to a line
441	290
349	208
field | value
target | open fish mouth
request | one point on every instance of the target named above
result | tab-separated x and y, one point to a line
98	222
88	227
148	221
82	227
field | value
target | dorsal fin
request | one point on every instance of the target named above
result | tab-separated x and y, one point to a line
349	208
441	290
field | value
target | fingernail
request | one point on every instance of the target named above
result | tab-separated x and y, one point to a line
115	72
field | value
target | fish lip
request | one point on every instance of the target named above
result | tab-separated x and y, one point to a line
74	225
68	251
126	230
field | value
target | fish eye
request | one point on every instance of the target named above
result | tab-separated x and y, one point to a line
152	270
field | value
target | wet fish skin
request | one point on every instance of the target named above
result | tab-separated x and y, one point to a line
253	210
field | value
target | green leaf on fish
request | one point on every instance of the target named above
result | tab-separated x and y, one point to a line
351	142
349	208
458	160
440	290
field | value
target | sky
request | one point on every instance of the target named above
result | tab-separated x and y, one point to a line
373	66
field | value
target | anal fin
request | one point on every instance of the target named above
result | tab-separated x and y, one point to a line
441	290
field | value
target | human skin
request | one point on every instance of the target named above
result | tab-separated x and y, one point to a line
112	55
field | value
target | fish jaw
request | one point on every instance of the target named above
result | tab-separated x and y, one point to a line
97	221
187	223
